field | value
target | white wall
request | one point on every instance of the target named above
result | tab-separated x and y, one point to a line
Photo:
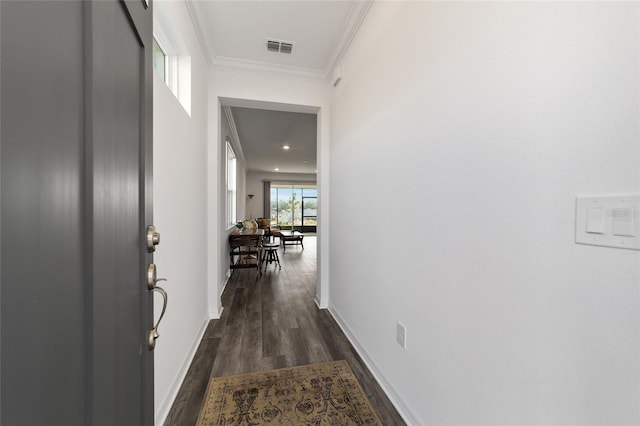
180	177
255	186
241	177
472	127
259	88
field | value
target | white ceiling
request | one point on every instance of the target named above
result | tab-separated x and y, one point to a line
233	33
233	36
263	133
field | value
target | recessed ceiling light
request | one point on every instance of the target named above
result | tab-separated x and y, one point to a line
286	147
305	161
277	169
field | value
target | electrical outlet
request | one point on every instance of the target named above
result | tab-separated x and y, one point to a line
401	335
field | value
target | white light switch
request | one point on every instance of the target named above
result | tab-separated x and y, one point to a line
623	222
608	220
595	220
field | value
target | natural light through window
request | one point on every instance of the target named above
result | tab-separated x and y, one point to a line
231	185
294	206
172	63
159	61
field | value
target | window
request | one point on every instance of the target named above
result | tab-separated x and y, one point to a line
171	59
294	206
160	61
309	206
231	186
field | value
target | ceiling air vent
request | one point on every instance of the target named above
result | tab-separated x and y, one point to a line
273	46
286	47
279	46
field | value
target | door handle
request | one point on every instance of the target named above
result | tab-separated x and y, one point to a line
153	238
152	276
153	333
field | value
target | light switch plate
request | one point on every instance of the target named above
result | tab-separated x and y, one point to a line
608	220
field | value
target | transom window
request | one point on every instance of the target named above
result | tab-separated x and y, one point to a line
160	61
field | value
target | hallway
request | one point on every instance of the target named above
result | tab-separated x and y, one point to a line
268	324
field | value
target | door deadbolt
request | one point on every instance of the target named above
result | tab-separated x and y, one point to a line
153	238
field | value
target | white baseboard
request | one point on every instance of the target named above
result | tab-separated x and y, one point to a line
215	312
226	281
163	410
404	411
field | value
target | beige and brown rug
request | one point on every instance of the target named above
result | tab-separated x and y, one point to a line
316	394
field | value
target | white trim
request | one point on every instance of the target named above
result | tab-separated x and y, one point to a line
235	138
200	27
273	70
224	284
409	417
165	406
271	106
215	314
219	308
358	12
219	314
324	224
317	302
164	41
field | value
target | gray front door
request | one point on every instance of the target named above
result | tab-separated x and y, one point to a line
75	148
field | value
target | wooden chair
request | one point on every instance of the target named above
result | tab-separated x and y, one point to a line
245	252
263	223
269	229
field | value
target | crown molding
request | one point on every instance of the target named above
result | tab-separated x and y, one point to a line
357	14
200	27
274	70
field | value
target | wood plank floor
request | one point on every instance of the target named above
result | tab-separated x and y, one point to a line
268	323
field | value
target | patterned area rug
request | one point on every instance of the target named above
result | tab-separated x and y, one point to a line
316	394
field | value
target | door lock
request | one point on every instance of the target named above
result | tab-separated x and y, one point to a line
153	238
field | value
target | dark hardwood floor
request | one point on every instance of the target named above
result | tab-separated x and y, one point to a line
268	323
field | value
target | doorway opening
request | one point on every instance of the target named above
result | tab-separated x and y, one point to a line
277	148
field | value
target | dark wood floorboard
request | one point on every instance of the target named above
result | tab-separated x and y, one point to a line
269	323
